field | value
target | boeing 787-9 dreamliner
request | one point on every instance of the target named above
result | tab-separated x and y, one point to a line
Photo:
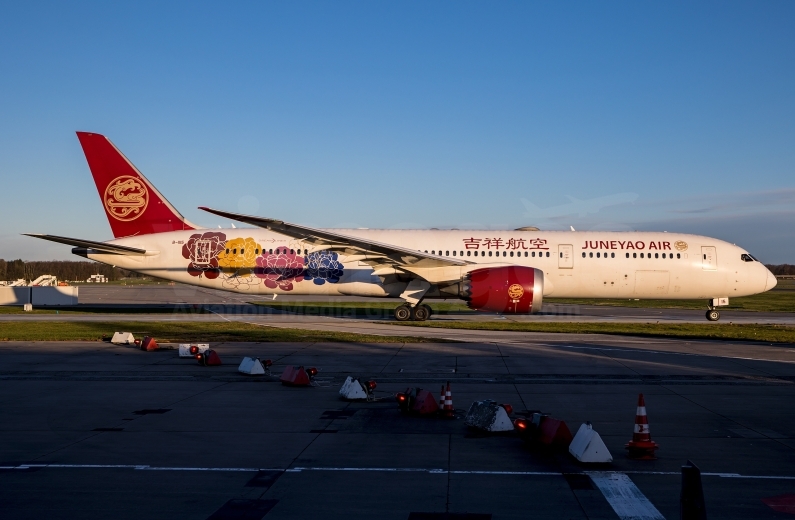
507	272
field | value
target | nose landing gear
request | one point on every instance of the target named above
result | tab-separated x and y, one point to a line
713	315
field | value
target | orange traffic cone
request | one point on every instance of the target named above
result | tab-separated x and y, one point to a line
447	411
641	446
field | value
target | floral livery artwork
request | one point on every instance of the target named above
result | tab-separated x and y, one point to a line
322	267
241	262
202	249
280	270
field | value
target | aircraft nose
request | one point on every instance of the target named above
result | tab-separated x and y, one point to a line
771	280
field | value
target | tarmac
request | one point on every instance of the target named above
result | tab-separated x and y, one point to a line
94	430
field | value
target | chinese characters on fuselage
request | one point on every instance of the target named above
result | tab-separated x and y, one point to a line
511	244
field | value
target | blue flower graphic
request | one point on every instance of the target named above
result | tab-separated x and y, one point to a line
322	267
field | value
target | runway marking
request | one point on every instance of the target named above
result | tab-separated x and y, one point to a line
624	496
299	469
643	351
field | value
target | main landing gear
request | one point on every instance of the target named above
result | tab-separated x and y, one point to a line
420	312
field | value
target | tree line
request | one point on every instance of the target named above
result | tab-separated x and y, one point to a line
782	270
66	270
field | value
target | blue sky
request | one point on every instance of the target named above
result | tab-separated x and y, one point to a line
407	114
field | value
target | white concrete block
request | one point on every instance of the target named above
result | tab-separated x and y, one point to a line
184	349
489	416
588	446
251	367
352	389
122	338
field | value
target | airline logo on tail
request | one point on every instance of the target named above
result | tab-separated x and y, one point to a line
132	203
126	198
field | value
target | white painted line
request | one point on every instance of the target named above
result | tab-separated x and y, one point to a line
298	469
624	496
644	351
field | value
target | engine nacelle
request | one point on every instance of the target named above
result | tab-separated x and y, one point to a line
509	289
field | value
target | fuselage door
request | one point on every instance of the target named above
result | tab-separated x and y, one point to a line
565	256
709	258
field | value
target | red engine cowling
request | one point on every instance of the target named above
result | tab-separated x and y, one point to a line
510	289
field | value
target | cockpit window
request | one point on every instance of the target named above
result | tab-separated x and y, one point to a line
745	257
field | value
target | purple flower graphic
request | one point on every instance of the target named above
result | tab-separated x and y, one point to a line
322	267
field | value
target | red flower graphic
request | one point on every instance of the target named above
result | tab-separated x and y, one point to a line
280	270
202	249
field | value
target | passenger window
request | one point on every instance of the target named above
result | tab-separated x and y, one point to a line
234	251
453	253
468	253
597	255
590	254
525	254
534	254
227	251
656	255
447	253
663	255
270	251
627	255
583	254
612	255
256	251
678	255
511	253
641	255
547	254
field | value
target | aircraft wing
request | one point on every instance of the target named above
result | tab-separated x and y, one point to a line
374	253
101	247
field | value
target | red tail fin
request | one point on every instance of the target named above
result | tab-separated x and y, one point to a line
133	205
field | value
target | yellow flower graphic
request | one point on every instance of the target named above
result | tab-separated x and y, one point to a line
239	256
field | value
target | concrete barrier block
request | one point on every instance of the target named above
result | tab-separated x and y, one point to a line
588	446
251	367
189	350
122	338
488	416
295	376
352	390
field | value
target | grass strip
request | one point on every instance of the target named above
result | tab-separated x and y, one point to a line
724	331
183	332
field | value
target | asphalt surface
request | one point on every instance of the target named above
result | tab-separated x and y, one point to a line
94	430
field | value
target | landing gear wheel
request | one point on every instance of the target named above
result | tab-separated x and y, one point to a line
420	313
713	315
403	313
428	308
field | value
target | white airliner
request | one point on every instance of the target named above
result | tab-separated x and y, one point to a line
498	271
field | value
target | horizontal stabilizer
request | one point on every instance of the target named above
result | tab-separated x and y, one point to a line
90	244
